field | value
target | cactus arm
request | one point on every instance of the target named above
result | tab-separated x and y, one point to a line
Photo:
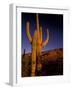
28	32
37	28
41	33
34	54
46	41
37	23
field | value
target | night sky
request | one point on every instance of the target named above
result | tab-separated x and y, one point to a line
54	23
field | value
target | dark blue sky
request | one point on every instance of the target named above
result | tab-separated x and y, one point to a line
54	22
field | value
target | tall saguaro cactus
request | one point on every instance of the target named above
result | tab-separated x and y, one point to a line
37	44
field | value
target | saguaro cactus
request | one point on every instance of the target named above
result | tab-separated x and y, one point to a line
37	44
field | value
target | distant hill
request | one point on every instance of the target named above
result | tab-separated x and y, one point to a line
52	55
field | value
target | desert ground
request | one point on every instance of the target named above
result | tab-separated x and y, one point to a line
51	60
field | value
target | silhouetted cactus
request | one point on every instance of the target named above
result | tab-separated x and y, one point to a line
24	52
37	44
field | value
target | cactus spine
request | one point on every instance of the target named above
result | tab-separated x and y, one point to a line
37	44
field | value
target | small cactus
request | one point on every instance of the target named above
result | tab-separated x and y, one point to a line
24	52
